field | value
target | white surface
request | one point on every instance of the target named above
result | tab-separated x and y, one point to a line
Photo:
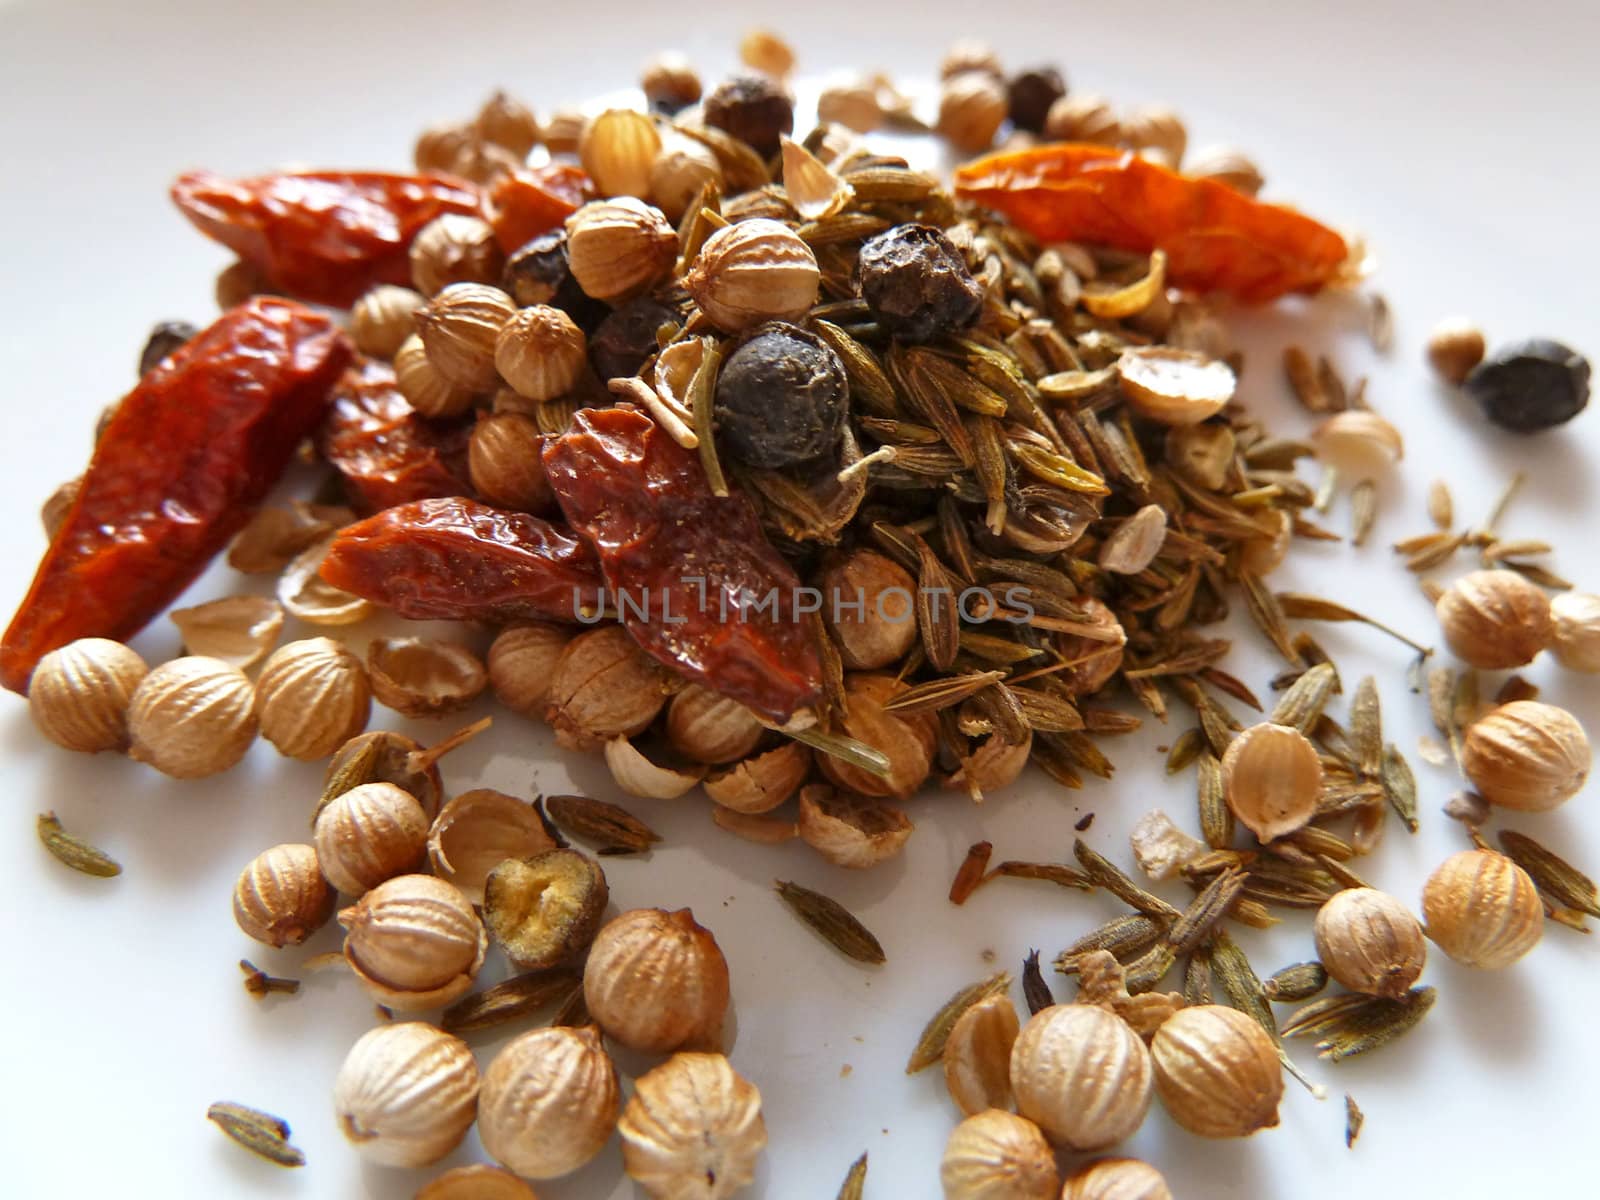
1458	136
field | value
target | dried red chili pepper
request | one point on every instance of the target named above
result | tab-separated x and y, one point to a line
176	473
1215	238
385	451
695	579
526	203
325	236
455	559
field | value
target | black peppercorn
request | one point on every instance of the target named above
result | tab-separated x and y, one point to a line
1530	386
163	340
753	109
627	337
538	273
781	398
916	283
1031	94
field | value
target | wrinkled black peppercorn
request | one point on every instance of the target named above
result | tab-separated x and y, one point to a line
916	283
538	274
164	339
753	109
627	337
1530	386
781	398
1031	94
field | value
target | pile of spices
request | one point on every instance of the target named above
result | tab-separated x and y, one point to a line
786	473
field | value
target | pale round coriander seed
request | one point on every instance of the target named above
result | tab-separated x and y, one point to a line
1527	755
1575	631
281	897
1370	942
541	353
1217	1072
460	328
382	319
522	663
549	1102
620	248
692	1129
996	1155
751	272
1482	909
312	696
368	834
656	981
192	717
414	942
406	1094
79	695
1116	1179
1082	1075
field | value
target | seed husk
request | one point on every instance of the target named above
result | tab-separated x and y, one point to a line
970	874
1299	606
1354	1119
1400	786
1561	883
1363	511
832	922
1149	969
1296	982
78	855
1269	614
260	1133
608	827
943	693
1034	988
514	999
855	1180
931	1042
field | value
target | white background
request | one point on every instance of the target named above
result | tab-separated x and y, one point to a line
1460	137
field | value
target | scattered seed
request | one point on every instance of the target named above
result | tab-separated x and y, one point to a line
1294	983
930	1043
1560	882
514	999
855	1180
1102	872
259	1132
832	922
1056	873
609	827
1034	988
78	855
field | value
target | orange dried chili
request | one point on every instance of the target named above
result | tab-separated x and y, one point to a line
1216	239
526	203
179	469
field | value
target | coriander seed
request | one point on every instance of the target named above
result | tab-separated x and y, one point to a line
312	696
382	319
369	834
423	385
522	662
656	981
541	352
867	605
460	329
454	248
970	54
681	170
753	271
1526	755
549	1102
479	830
79	695
1370	942
281	897
1575	631
693	1128
414	942
1482	909
710	728
544	910
1082	1074
1082	117
406	1094
996	1155
1217	1072
504	463
619	248
972	107
604	686
617	149
1495	619
192	717
1116	1179
506	122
